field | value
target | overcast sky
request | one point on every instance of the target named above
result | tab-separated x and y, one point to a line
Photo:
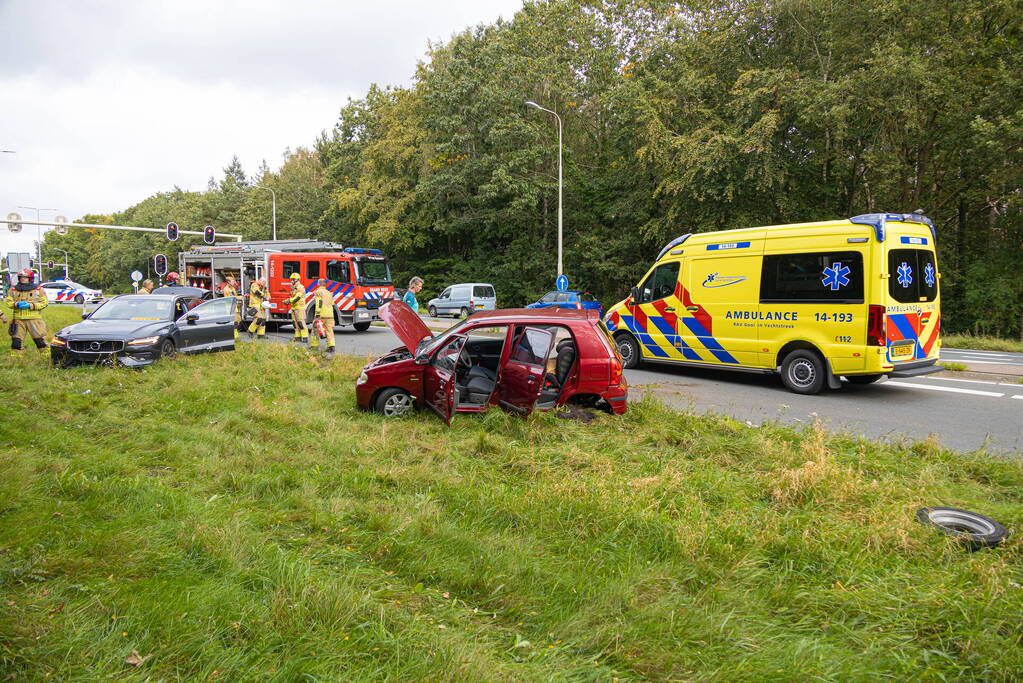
107	102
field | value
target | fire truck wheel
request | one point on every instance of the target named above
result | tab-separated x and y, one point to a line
628	349
361	327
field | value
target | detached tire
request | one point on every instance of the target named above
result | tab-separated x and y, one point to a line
628	349
803	372
974	531
394	402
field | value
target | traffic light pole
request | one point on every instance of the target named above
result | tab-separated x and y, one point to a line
237	238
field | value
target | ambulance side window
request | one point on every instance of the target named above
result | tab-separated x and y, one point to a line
821	277
337	271
312	269
660	283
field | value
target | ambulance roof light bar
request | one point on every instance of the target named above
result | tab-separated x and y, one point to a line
878	220
674	243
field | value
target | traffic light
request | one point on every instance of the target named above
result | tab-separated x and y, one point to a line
172	231
209	234
49	264
160	263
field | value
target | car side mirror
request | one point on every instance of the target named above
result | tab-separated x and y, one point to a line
191	318
634	295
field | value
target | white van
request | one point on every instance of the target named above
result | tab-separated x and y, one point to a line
462	299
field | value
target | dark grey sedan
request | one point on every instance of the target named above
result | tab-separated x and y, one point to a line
134	330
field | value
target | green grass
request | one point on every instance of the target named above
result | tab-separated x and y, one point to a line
234	517
953	366
981	343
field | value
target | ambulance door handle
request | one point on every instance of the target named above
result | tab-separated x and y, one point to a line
692	309
669	308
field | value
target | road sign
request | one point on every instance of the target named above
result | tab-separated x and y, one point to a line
160	264
561	283
172	231
62	228
136	275
13	225
209	234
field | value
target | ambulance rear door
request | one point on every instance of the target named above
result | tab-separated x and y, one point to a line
912	307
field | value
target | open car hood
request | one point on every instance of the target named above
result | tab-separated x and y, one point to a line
404	322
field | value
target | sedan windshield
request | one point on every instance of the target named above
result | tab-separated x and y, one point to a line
135	308
374	273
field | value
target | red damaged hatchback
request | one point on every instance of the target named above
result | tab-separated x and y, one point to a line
519	359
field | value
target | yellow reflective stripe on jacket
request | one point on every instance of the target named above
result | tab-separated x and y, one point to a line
297	298
35	298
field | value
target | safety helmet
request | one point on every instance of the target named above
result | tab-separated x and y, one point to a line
296	276
26	272
172	276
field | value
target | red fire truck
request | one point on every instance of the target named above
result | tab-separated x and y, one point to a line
359	279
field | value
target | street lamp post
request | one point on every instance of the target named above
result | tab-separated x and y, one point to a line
39	236
273	200
561	269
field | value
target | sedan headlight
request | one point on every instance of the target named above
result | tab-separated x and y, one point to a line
58	341
363	378
144	341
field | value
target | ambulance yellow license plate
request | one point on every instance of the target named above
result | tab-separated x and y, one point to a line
901	350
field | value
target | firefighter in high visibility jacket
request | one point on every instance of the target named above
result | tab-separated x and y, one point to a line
26	301
258	295
231	289
296	299
323	308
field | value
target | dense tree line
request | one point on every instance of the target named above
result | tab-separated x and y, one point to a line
678	117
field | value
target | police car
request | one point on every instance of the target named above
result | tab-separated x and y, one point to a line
67	291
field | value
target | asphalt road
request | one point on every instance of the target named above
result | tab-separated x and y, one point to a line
963	411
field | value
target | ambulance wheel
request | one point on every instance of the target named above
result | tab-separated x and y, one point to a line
803	372
361	327
79	299
628	349
432	311
863	379
394	402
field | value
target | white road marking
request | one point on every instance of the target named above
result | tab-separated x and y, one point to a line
954	390
1017	397
980	361
980	354
954	379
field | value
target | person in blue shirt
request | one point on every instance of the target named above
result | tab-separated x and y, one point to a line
415	285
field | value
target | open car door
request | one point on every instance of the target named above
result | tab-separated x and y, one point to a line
521	378
439	390
208	326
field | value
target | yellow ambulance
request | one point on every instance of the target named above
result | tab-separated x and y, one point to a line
814	302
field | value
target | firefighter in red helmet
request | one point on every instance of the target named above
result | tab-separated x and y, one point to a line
26	301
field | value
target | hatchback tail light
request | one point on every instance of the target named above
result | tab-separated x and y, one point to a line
876	333
616	371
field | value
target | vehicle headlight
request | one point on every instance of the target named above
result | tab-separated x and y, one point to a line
144	341
363	378
58	341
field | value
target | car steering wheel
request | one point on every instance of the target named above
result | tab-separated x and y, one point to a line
463	360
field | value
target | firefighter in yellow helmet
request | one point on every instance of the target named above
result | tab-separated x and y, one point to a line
323	309
26	301
296	299
231	290
257	296
147	287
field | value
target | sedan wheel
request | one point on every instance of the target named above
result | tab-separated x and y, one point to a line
395	403
79	299
167	349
